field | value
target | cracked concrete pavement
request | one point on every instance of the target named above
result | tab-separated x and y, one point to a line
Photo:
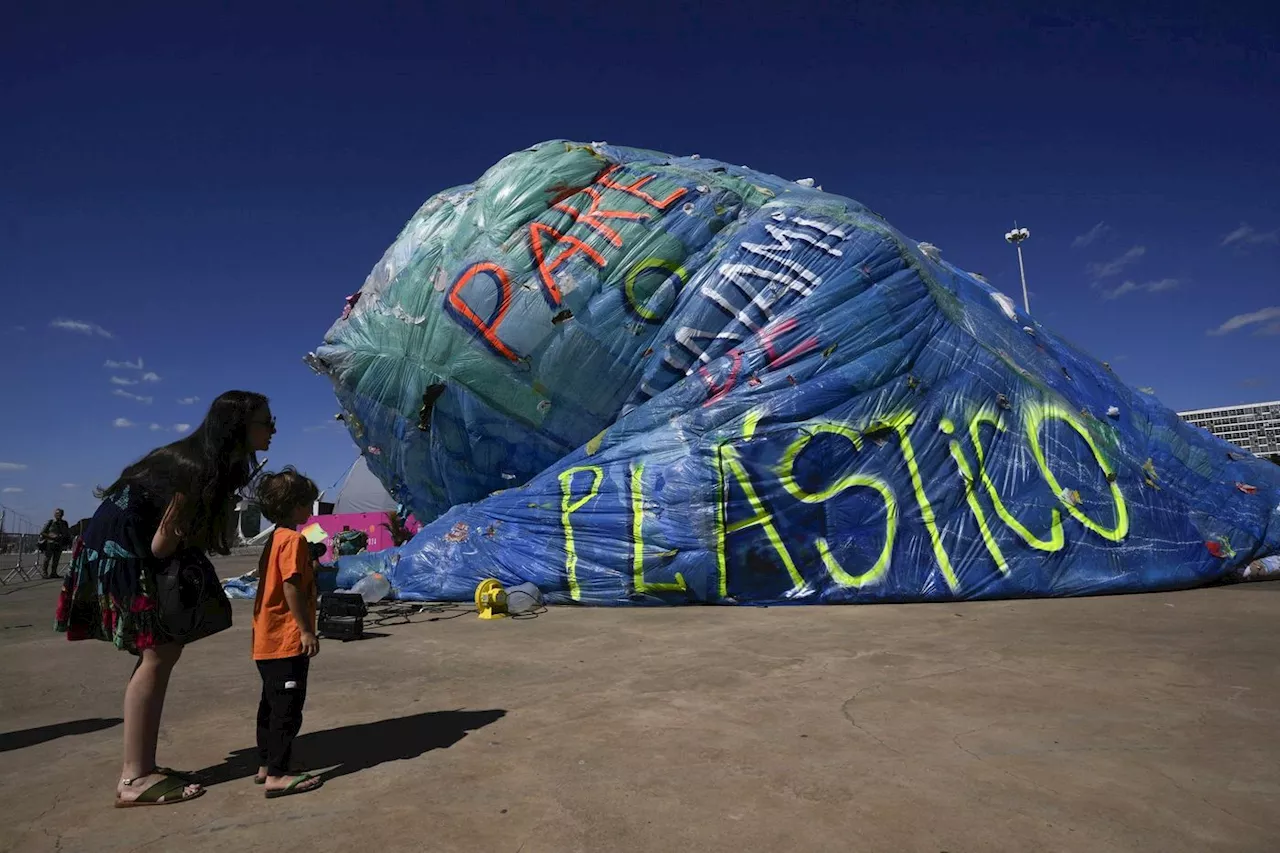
1133	723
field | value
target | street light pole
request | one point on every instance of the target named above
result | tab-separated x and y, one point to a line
1016	236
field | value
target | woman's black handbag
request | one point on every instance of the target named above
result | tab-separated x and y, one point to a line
189	598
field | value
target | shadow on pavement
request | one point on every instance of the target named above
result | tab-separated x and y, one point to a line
30	737
350	749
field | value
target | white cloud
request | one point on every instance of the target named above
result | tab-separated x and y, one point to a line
150	377
1158	286
1091	236
120	392
1116	266
188	401
122	423
80	327
70	485
120	380
12	466
13	490
1247	235
1117	292
1240	321
156	427
181	427
125	365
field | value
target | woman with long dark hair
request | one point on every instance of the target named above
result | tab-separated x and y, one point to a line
176	504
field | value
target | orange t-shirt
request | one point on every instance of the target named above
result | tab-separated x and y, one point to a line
275	631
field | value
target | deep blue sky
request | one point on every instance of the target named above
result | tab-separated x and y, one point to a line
206	184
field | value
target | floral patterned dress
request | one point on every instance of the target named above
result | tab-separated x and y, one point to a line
109	590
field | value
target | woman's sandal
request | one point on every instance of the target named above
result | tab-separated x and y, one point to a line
293	787
167	792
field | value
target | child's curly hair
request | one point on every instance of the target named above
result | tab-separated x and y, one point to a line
279	494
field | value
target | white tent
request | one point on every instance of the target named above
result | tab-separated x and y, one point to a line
360	491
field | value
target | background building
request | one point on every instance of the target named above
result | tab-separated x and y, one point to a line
1254	427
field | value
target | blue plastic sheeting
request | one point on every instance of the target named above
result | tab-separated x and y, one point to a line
245	586
631	378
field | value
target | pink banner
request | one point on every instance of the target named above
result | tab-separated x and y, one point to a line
373	524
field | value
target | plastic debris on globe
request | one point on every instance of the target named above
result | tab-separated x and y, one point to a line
633	378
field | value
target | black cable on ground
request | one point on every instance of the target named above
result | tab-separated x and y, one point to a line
384	614
405	613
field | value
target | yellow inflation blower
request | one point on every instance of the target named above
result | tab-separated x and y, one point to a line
491	599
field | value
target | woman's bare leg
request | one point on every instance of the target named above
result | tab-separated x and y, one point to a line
143	706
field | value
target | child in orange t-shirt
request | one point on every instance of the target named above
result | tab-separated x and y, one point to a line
284	629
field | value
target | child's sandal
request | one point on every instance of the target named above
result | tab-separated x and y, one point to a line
297	786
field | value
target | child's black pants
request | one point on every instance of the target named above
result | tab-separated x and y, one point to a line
284	692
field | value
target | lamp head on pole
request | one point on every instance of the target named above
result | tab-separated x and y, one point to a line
1017	235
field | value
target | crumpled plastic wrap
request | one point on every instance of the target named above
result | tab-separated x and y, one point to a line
628	377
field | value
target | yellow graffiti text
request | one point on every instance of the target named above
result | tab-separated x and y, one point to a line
568	506
637	540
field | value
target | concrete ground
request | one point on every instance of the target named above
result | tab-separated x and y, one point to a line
1137	723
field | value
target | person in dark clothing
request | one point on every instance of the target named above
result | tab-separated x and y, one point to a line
55	536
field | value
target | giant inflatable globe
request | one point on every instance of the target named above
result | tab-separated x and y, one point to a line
633	378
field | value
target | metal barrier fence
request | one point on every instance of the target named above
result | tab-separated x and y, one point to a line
19	559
